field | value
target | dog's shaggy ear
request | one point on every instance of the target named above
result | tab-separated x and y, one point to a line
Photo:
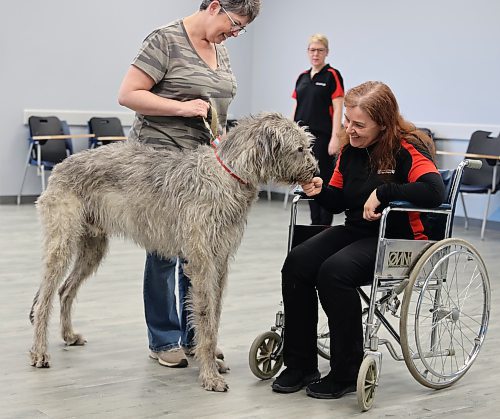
256	139
257	143
270	135
279	133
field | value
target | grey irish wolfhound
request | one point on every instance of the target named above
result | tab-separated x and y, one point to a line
191	204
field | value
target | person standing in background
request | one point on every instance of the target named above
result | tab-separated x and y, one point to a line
319	94
180	71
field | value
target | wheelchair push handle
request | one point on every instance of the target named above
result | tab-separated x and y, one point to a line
473	164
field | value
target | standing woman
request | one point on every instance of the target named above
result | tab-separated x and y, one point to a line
319	94
180	71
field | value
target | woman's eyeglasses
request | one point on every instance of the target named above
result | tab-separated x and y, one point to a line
318	50
235	29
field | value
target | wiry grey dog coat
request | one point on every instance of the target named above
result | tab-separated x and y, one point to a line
191	204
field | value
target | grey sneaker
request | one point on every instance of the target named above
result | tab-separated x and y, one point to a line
174	358
218	352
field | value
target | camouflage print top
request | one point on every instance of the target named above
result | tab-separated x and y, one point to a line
170	59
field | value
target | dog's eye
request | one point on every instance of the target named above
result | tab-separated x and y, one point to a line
300	149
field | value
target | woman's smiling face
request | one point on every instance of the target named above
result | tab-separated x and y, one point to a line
362	130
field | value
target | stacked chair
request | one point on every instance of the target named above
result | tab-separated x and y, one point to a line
105	131
49	144
485	180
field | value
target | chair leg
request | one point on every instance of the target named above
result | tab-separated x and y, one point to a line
24	176
485	215
285	201
42	176
466	225
22	184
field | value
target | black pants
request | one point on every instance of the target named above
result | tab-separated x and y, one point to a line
319	215
331	265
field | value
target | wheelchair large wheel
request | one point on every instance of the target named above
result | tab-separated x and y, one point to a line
263	358
367	383
444	313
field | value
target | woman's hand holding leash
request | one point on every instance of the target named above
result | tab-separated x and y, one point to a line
313	187
196	107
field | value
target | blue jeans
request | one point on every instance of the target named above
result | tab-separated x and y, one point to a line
167	327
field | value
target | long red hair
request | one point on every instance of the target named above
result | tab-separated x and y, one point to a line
377	100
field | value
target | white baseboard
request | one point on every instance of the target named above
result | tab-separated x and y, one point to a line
453	131
80	117
441	130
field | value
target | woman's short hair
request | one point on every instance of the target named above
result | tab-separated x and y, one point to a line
248	8
318	37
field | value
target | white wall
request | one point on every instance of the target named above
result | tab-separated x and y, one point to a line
441	57
67	55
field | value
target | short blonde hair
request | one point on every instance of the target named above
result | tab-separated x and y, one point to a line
318	37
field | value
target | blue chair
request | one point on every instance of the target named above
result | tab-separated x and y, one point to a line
102	128
45	152
427	131
485	180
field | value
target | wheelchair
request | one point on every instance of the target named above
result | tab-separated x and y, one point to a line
443	312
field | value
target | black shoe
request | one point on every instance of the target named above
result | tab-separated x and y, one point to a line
328	388
293	379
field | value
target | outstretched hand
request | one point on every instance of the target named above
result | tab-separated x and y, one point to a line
371	206
313	187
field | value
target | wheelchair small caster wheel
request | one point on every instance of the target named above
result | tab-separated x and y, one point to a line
367	383
263	361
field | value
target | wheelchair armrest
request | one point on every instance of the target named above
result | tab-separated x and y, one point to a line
302	194
409	205
298	191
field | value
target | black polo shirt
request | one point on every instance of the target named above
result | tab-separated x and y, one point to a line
314	98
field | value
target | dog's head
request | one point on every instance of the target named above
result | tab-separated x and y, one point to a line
270	147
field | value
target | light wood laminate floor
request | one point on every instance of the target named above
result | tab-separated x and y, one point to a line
113	377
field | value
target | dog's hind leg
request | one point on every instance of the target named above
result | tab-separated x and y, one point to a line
60	219
90	252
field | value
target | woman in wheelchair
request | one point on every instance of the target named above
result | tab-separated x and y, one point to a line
383	158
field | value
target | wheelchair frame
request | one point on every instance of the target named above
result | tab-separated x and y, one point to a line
438	279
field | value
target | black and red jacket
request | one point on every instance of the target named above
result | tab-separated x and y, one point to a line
414	178
314	98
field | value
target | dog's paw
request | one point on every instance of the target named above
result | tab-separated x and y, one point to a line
219	354
75	340
39	360
216	383
222	367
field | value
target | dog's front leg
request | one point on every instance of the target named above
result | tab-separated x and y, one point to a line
222	366
204	294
